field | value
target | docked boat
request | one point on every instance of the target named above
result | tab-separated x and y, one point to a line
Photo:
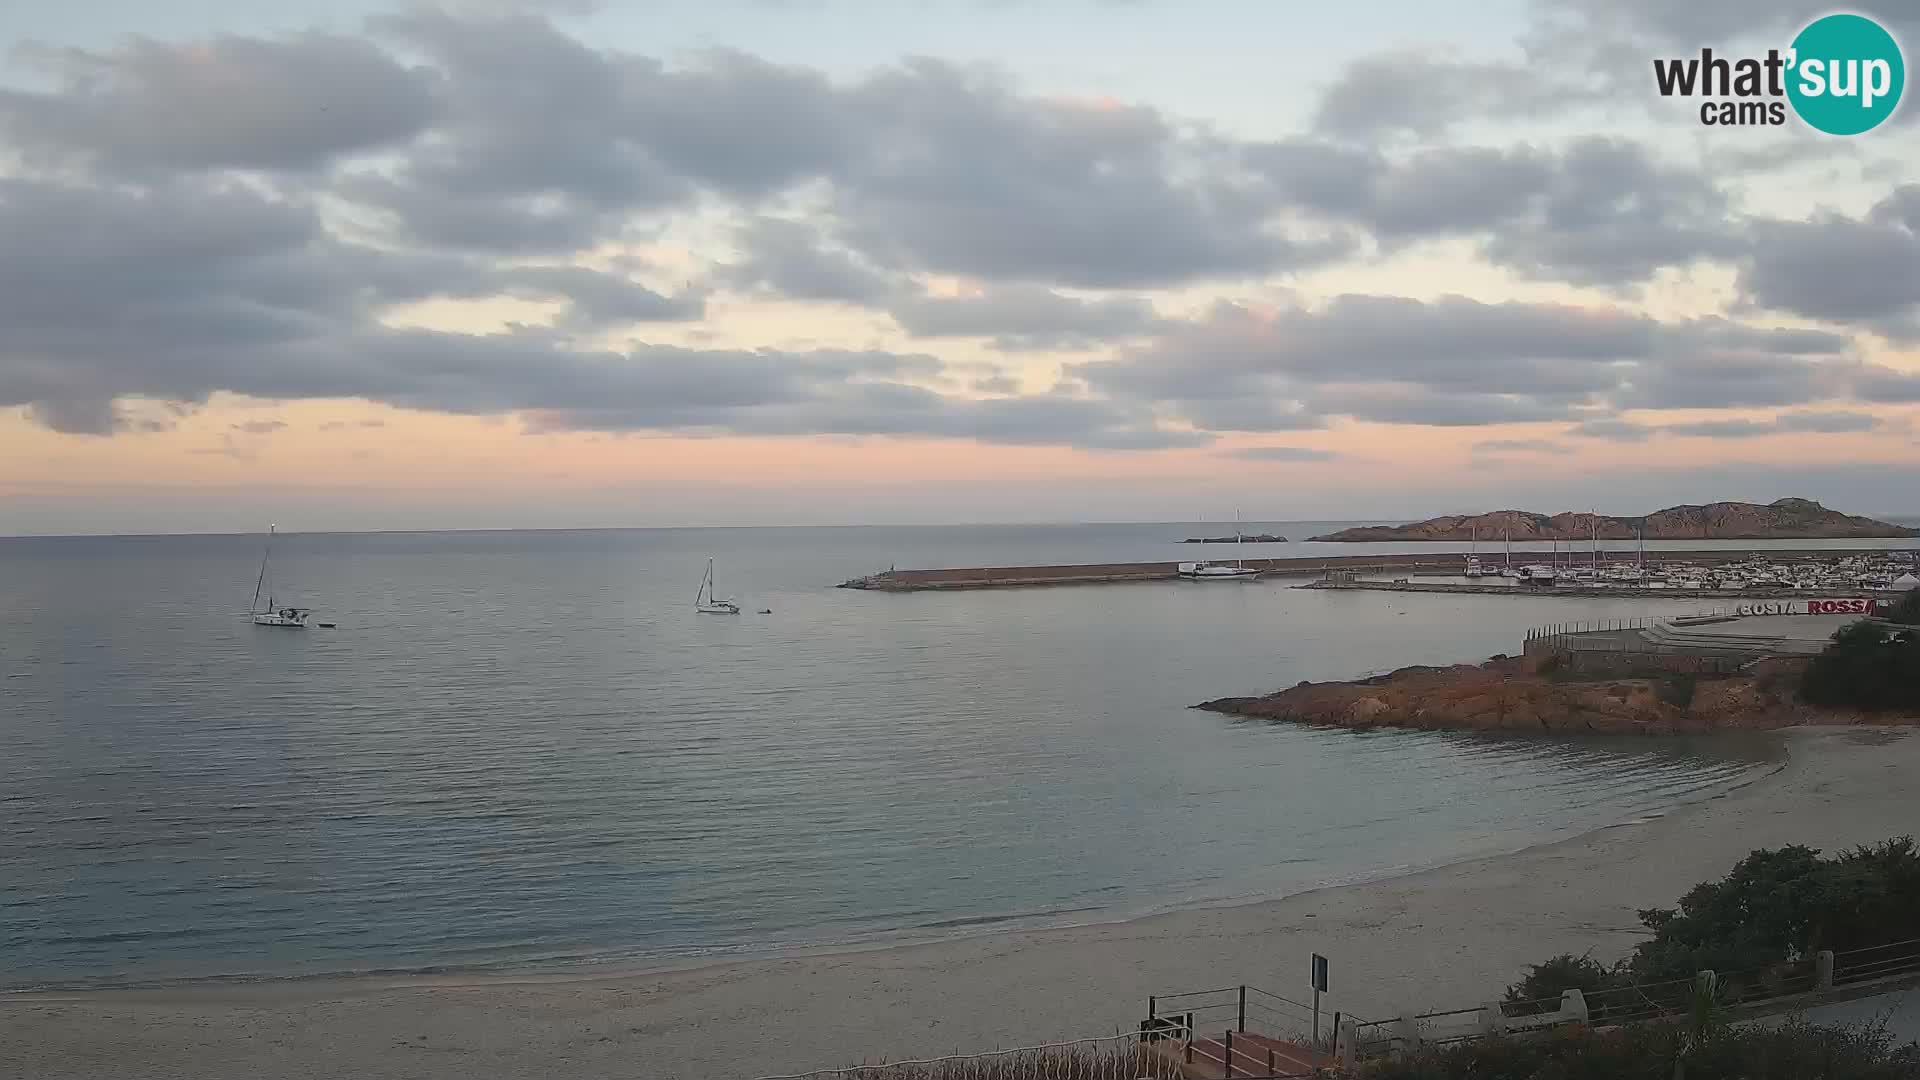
290	618
1537	574
707	602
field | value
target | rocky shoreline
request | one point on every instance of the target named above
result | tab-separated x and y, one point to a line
1527	694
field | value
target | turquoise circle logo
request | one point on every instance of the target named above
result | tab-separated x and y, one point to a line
1847	74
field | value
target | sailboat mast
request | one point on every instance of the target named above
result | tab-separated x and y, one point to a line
1237	561
261	581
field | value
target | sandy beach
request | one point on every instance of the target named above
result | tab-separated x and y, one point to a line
1448	937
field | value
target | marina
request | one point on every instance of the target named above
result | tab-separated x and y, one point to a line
1670	574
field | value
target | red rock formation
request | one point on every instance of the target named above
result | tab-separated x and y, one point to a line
1511	694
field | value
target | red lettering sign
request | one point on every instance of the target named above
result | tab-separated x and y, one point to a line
1851	606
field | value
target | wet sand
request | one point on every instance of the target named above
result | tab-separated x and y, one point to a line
1449	937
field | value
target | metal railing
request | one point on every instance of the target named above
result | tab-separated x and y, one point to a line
1875	962
1246	1032
1756	990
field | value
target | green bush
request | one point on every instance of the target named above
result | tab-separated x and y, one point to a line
1907	610
1759	927
1869	667
1543	983
1677	688
1783	905
1792	1051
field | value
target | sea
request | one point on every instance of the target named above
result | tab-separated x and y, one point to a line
526	750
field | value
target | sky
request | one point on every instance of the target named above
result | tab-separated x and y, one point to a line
557	264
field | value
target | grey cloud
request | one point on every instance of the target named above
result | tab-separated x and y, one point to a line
791	259
1720	429
294	102
1521	446
548	144
1876	383
963	176
1827	421
898	410
597	298
259	427
76	416
1461	362
1281	453
1425	93
1600	210
1721	22
178	294
1254	407
1024	317
1422	406
1615	430
1842	269
1741	428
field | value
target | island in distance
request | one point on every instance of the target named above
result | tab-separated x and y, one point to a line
1249	538
1786	519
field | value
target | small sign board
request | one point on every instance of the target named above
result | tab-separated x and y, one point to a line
1319	973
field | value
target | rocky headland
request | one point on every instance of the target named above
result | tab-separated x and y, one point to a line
1785	519
1528	694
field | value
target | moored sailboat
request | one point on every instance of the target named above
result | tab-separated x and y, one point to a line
291	618
707	602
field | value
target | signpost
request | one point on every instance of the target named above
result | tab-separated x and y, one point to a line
1319	987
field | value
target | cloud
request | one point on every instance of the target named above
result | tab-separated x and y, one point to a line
1461	362
1281	453
180	292
330	181
297	102
595	298
1842	269
1025	317
259	427
1597	211
546	144
1521	446
791	259
1743	428
1425	93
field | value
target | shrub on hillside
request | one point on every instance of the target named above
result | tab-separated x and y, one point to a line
1540	988
1868	666
1792	1051
1907	610
1777	907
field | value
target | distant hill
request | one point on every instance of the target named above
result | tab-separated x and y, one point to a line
1787	519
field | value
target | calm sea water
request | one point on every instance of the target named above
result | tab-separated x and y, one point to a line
527	747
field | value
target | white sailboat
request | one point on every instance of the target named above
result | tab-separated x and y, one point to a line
1210	571
707	602
1474	569
291	618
